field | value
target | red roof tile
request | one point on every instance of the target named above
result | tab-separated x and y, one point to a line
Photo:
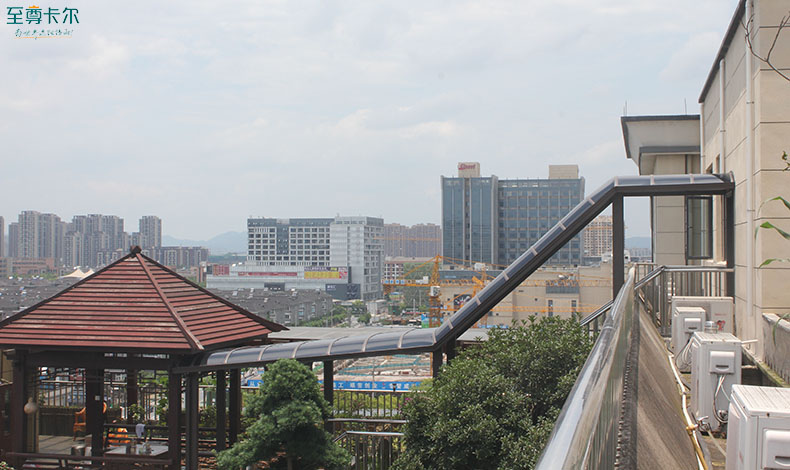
134	304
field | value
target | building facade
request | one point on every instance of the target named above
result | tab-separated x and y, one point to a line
150	232
598	237
2	237
416	241
493	221
742	129
13	240
342	255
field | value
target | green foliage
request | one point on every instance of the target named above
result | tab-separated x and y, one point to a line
207	417
495	406
135	413
287	430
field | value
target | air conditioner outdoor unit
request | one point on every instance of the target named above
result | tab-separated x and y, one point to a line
758	434
719	309
685	322
715	368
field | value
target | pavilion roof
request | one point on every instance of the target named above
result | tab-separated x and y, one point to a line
134	304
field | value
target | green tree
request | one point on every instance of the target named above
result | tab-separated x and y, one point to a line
495	406
287	431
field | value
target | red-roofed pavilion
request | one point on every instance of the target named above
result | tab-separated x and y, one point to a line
134	314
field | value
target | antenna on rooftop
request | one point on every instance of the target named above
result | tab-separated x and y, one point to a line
685	108
625	108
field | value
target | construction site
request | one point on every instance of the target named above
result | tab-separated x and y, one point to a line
450	283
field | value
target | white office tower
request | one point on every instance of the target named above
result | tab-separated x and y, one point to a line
758	434
719	310
715	368
685	322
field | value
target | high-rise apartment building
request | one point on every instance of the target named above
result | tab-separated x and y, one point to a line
39	236
485	219
417	241
28	234
13	240
598	237
150	231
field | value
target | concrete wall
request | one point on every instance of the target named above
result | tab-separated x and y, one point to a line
777	344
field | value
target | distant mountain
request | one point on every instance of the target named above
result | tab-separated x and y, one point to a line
638	242
228	242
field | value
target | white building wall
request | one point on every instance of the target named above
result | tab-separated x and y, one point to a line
763	144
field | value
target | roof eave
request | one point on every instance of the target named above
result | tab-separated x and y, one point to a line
740	10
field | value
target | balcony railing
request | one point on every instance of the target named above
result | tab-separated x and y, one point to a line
658	284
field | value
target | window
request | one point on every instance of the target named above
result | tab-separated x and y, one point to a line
699	224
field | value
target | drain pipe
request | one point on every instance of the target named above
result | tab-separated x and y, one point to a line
722	129
750	187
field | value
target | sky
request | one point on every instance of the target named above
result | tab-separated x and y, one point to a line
206	113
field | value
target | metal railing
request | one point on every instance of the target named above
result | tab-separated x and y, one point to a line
368	403
372	450
586	433
658	284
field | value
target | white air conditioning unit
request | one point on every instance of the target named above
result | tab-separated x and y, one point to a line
685	322
758	434
719	309
715	368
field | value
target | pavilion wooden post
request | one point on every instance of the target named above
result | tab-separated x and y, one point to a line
234	406
94	409
131	393
18	400
436	362
222	414
192	420
450	347
174	420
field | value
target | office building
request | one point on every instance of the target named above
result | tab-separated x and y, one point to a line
2	237
341	255
493	221
416	241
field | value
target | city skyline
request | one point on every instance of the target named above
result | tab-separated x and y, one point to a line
297	110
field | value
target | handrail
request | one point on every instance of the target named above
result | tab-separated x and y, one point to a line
585	435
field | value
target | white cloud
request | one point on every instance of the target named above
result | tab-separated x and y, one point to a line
694	58
260	107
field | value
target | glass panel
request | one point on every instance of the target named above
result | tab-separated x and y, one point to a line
350	345
418	338
314	348
278	351
383	341
244	355
698	227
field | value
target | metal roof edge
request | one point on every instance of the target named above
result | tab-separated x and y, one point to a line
740	10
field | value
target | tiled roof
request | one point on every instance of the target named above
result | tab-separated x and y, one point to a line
134	304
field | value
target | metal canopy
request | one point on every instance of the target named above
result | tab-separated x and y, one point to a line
432	339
